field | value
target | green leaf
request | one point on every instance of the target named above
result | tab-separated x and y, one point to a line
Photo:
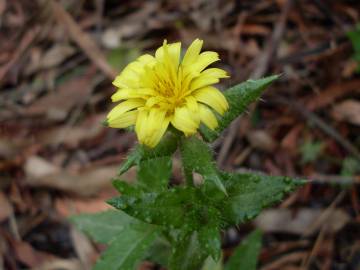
180	207
159	252
354	36
210	240
104	226
310	151
198	157
249	193
350	166
127	248
153	174
127	189
246	254
166	208
166	147
187	254
210	264
119	57
239	98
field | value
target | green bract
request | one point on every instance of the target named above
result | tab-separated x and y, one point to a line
180	226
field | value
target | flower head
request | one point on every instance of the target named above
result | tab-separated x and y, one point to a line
156	91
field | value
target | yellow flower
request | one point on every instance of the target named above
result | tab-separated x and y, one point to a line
162	90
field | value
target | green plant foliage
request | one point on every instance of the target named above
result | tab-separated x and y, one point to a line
153	174
166	147
310	151
159	252
127	248
350	166
119	57
210	240
246	254
210	264
179	207
103	226
187	253
127	237
180	227
239	98
198	157
354	37
249	193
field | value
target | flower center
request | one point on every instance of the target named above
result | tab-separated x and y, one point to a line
169	87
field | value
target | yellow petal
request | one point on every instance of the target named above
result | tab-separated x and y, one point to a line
183	120
160	124
173	49
213	98
205	59
125	107
124	120
207	117
127	79
126	93
192	104
208	77
151	126
192	52
147	59
130	76
141	124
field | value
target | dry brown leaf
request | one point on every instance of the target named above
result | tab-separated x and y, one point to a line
85	42
285	220
5	207
255	29
56	55
261	140
329	95
83	247
70	206
26	254
40	172
25	42
72	136
57	104
348	111
2	6
63	264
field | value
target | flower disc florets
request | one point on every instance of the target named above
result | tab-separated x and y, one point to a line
162	90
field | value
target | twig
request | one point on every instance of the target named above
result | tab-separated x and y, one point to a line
316	120
317	178
262	64
286	259
307	260
25	42
85	42
328	211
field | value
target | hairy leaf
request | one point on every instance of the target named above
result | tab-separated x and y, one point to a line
187	254
239	98
249	193
153	174
104	226
166	147
246	254
210	240
127	248
210	264
169	208
197	157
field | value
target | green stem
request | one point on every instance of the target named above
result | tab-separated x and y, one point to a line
189	180
188	172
